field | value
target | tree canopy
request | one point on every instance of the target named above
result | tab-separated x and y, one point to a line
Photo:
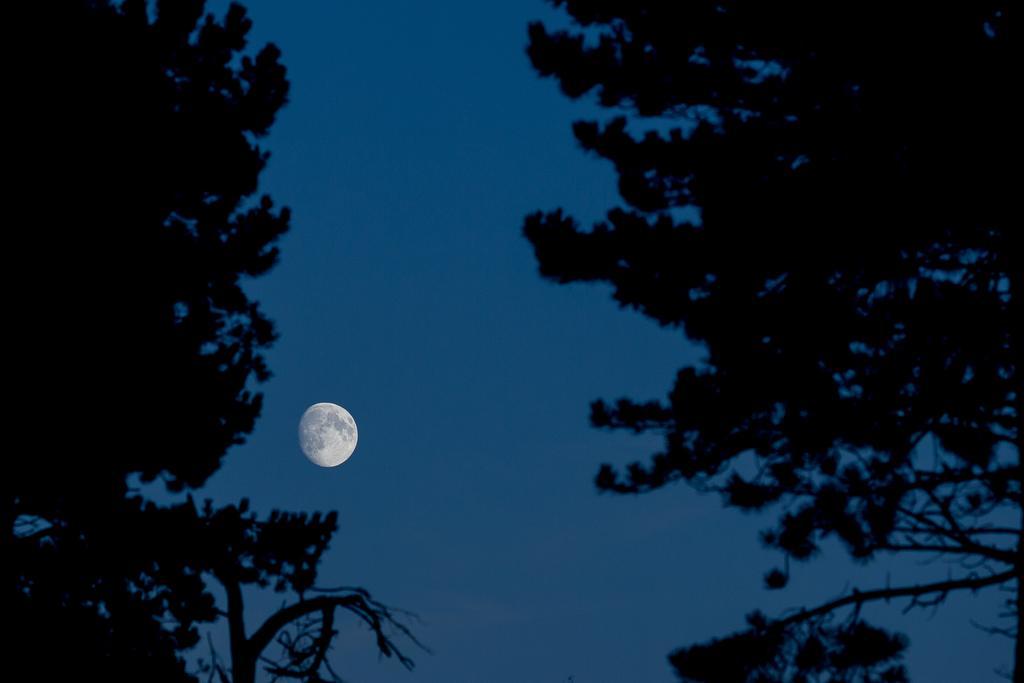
819	195
136	349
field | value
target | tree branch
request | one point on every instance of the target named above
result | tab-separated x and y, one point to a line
997	554
370	611
323	643
858	598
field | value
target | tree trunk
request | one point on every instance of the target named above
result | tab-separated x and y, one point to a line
1017	338
243	670
243	666
1018	650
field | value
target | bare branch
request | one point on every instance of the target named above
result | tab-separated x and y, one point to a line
997	554
373	613
322	645
1008	632
215	666
858	598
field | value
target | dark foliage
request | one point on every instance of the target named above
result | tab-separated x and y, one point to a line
144	140
820	194
134	347
854	652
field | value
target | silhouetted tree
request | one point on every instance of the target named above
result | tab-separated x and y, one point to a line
133	345
237	550
820	195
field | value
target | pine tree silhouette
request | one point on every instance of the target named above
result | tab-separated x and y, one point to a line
135	349
818	194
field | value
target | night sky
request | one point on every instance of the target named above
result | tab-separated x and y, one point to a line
416	139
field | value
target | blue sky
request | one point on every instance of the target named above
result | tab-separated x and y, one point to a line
416	139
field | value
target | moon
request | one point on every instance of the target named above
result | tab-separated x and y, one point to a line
327	434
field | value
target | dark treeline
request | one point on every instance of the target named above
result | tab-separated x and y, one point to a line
135	351
820	194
